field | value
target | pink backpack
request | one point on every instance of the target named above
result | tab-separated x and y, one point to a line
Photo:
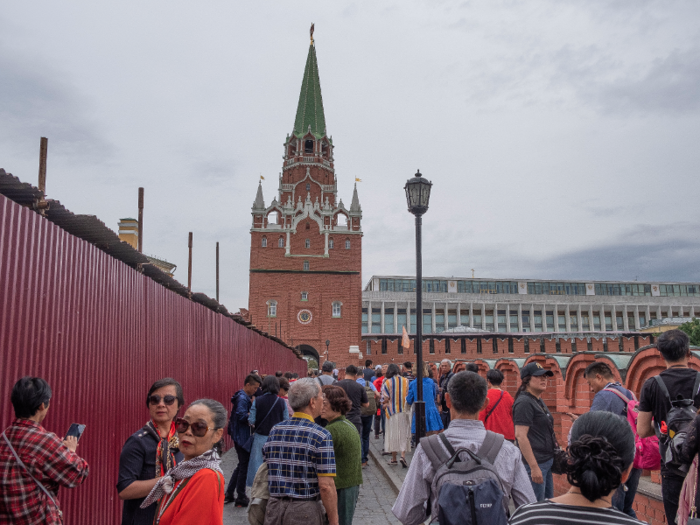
647	455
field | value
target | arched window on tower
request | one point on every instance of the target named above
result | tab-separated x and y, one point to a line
272	308
264	242
306	266
347	244
280	242
308	187
308	146
307	243
330	244
337	308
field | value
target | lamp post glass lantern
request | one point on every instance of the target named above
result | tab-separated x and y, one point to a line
418	197
328	343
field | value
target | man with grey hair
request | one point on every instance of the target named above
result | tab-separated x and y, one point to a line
326	377
445	376
465	397
301	462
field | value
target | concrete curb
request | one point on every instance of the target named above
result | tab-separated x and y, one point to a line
394	481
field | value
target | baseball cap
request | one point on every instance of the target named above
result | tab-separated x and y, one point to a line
536	370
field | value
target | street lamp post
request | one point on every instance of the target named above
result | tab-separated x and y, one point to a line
328	343
418	197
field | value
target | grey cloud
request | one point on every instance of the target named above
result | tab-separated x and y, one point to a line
35	103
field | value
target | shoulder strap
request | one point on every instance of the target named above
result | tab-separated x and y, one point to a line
436	454
619	394
494	407
268	413
319	381
21	464
491	446
664	390
695	387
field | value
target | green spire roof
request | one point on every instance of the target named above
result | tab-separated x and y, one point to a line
310	108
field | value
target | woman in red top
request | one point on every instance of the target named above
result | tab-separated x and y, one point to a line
498	414
193	491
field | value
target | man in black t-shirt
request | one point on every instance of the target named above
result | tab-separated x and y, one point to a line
357	394
654	406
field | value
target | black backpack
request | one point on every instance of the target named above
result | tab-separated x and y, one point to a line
678	420
466	492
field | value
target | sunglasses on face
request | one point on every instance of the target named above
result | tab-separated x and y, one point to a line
155	399
199	429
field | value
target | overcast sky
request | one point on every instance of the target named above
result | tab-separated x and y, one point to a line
562	137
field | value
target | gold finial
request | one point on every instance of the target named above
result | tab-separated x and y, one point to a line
311	32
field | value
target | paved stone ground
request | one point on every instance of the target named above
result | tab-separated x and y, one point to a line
373	506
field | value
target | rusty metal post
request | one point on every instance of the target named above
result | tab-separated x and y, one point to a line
43	149
140	220
189	266
217	272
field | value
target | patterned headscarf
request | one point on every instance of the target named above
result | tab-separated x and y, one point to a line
210	459
167	447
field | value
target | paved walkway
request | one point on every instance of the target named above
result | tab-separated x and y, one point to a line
377	493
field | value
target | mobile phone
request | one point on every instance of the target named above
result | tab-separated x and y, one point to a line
75	430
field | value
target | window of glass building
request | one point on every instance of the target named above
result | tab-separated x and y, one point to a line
427	321
502	325
388	320
608	321
549	320
439	321
364	320
464	318
622	289
526	321
513	322
618	320
477	320
413	321
596	321
535	288
487	287
586	325
489	321
630	322
538	320
562	321
642	320
679	290
573	322
401	320
376	320
451	318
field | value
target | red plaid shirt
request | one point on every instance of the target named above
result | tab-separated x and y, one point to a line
22	502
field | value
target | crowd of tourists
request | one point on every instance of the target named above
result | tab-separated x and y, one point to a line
302	445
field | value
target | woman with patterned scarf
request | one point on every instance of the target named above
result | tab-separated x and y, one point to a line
149	453
193	491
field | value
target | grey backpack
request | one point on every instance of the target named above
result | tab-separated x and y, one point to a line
466	491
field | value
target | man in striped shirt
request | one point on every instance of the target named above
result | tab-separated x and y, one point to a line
301	462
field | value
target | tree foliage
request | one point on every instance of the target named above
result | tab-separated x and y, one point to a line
692	328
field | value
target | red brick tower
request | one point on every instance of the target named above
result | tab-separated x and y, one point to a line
306	246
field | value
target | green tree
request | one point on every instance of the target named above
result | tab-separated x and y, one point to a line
312	363
692	328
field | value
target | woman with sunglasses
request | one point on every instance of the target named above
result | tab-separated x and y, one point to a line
149	453
193	491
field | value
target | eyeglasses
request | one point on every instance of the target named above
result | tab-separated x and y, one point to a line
155	399
198	429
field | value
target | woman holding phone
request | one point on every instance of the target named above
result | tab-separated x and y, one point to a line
27	449
194	491
149	453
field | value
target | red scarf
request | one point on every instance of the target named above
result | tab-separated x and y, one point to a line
165	457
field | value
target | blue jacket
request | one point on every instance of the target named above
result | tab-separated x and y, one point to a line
239	429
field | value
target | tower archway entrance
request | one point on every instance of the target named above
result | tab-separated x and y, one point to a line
309	351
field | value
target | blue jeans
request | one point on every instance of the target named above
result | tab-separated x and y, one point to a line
544	490
622	500
366	430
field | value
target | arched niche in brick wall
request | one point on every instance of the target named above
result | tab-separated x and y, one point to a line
577	394
647	362
510	368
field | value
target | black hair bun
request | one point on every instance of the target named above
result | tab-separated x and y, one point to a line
594	466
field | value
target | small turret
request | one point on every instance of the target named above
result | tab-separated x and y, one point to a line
259	203
355	205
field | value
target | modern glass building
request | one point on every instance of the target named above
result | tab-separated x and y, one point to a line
522	306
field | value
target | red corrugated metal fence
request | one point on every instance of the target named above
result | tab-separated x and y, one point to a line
100	333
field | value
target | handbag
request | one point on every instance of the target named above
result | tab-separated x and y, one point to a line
248	445
21	464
